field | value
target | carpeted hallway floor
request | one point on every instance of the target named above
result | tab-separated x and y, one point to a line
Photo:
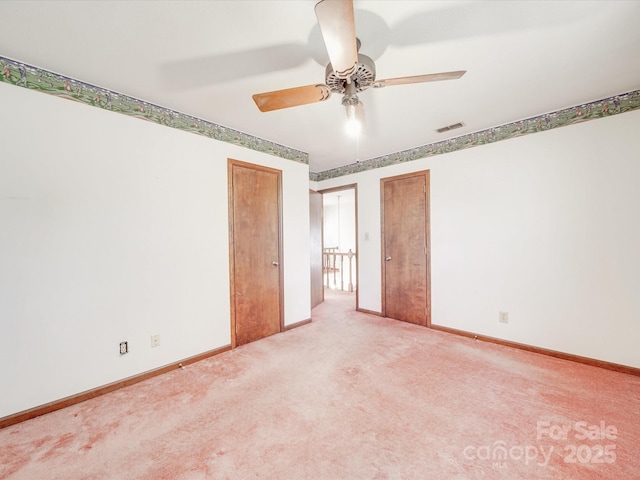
349	396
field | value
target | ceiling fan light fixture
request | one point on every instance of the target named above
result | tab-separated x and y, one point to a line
353	125
355	113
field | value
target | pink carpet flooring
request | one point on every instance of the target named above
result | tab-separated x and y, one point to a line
349	396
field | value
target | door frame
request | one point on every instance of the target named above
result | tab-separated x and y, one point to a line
427	225
230	164
311	193
354	187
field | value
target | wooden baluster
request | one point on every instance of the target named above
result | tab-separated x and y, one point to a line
335	284
350	256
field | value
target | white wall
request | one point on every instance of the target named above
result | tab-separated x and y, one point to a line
114	229
339	215
545	227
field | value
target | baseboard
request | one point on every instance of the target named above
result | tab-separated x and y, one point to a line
81	397
543	351
370	312
297	324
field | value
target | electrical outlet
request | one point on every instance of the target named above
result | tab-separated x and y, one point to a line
124	348
503	317
155	341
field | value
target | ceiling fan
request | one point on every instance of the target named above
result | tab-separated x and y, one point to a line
349	72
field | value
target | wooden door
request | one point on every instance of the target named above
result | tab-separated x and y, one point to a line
315	222
405	248
255	228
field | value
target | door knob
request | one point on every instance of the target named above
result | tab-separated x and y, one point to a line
274	263
387	259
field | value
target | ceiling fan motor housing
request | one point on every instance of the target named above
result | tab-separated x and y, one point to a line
362	78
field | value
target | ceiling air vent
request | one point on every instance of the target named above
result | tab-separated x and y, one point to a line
450	127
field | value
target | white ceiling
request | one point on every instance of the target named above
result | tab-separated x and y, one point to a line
206	58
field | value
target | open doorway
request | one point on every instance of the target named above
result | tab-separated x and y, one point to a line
339	245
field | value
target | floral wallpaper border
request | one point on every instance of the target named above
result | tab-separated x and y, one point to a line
34	78
588	111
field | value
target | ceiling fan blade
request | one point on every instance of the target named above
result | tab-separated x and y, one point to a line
338	27
291	97
431	77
